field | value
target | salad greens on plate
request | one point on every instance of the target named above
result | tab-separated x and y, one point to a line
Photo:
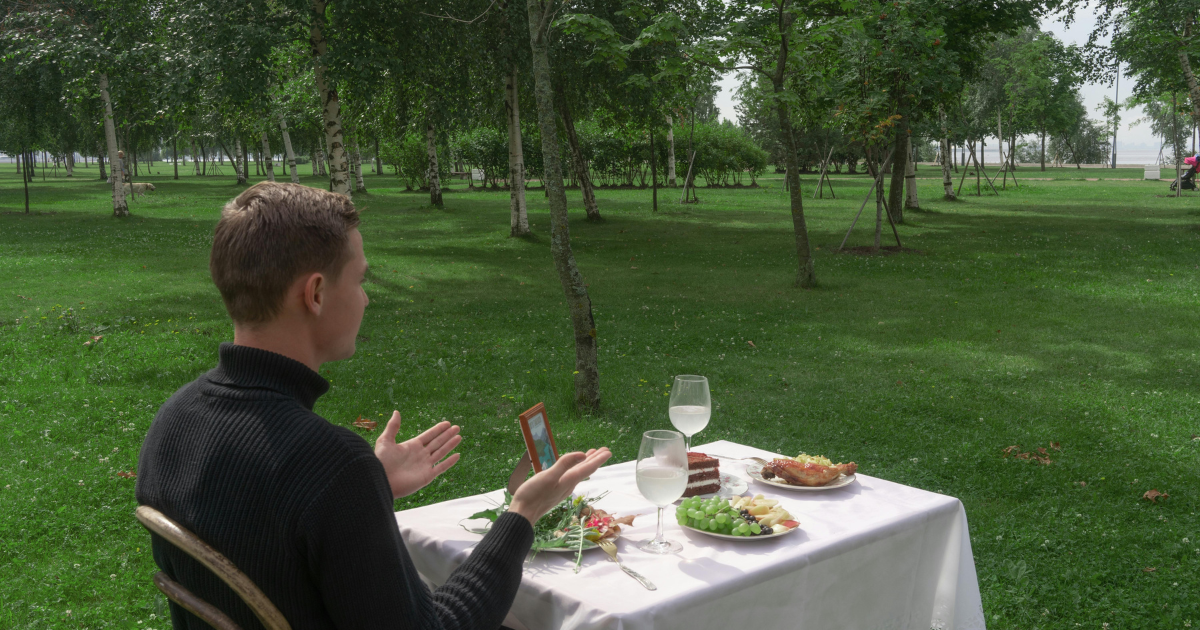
574	525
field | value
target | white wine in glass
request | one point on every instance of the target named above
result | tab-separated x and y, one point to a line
662	473
691	405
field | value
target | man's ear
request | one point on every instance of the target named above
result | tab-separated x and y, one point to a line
314	293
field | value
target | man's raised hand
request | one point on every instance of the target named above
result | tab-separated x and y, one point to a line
412	464
548	488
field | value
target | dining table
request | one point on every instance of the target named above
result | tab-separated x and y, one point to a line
870	555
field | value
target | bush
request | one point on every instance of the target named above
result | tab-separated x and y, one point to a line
485	148
408	155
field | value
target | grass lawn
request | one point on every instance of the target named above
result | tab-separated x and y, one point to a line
1064	312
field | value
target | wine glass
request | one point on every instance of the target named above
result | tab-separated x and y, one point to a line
691	405
662	476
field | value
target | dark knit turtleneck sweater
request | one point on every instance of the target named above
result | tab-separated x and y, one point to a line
303	507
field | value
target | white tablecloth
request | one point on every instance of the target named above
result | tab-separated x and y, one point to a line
874	555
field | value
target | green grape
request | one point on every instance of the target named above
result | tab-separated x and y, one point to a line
710	509
712	524
756	528
722	518
693	514
743	529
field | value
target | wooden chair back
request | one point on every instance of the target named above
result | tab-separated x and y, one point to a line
189	543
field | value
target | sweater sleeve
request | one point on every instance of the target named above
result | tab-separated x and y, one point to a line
357	558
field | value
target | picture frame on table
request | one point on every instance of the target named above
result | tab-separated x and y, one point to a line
539	439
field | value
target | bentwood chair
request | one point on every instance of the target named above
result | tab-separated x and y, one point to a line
189	543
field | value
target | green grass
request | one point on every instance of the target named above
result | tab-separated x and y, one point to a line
1064	312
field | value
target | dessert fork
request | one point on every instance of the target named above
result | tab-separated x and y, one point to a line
610	548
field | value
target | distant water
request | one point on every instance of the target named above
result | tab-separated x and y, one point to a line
1125	157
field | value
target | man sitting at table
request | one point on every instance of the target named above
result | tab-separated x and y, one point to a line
300	505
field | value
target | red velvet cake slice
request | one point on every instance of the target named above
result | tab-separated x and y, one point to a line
704	475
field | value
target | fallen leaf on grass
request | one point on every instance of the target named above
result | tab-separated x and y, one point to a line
127	475
1056	446
751	344
1153	495
95	339
365	424
25	298
1149	570
1040	457
1081	484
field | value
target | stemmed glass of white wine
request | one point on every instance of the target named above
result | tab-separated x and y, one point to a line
662	474
691	405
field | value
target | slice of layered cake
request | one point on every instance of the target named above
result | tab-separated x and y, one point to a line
704	475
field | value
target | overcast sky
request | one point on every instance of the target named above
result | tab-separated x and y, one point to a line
1128	137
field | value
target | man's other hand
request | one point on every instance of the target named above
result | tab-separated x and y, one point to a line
412	464
548	488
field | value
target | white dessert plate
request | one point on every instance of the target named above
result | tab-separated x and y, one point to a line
755	471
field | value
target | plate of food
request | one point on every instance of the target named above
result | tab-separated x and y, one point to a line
739	518
573	526
706	480
803	472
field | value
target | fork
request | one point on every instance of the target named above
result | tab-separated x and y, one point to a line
757	460
610	548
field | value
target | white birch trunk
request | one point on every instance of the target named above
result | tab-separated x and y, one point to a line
69	162
266	153
910	179
331	109
435	184
670	151
120	206
356	157
519	217
287	148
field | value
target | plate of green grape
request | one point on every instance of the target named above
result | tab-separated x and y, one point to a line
739	518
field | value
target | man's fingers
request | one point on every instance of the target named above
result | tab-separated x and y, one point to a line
584	469
447	434
433	432
445	464
445	448
389	432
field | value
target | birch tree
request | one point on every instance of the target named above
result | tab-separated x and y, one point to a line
575	290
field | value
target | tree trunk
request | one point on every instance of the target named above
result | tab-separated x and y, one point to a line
900	167
910	179
518	215
378	161
24	178
120	206
653	173
360	185
69	162
1043	149
100	161
587	376
879	168
287	148
243	172
270	161
331	109
1186	64
670	152
435	183
578	163
175	152
805	272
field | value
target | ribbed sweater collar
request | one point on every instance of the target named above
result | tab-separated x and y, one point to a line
243	366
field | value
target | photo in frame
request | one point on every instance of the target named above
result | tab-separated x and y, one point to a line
539	440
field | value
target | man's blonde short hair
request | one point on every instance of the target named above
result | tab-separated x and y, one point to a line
271	234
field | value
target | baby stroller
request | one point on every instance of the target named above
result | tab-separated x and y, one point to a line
1188	179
